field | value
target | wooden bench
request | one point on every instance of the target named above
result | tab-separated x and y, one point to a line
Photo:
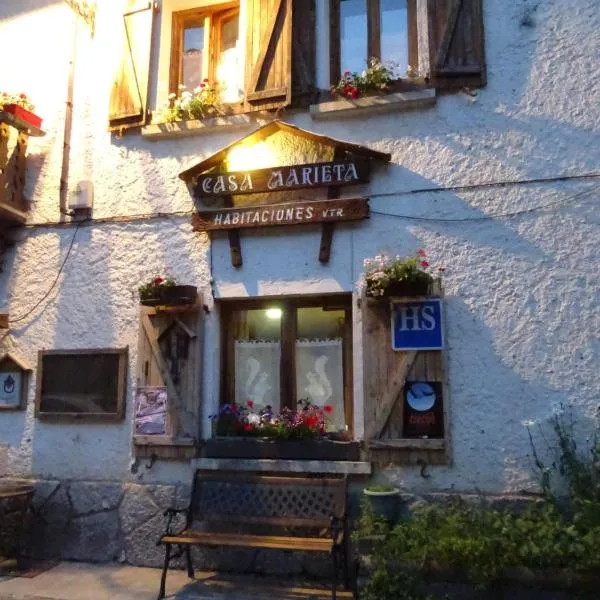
262	511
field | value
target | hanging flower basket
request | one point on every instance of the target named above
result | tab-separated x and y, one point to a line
23	114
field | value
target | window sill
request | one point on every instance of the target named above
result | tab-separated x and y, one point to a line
368	105
409	444
179	129
344	467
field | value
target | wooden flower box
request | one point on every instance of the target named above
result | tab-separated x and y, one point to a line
241	447
24	115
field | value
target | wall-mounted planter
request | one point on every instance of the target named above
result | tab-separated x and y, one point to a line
405	288
24	115
172	296
240	447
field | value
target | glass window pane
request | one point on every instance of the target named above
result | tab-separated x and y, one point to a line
320	361
353	35
229	68
193	55
394	35
257	355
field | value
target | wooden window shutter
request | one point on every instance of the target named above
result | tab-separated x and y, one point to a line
129	95
268	54
169	354
457	52
303	52
385	374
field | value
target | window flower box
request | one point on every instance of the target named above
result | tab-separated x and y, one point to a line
165	291
23	114
246	447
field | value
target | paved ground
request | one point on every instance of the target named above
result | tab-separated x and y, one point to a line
82	581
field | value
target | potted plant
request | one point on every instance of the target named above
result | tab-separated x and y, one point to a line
200	103
376	78
384	500
21	107
243	432
165	290
396	276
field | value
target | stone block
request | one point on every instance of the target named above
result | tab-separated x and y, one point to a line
136	508
163	495
140	544
95	537
91	497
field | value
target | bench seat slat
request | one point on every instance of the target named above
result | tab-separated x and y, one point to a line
209	538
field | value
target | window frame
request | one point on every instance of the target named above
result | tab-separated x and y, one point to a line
289	305
373	36
209	17
117	415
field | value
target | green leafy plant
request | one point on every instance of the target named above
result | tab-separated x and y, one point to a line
383	270
19	99
154	287
197	104
381	488
375	78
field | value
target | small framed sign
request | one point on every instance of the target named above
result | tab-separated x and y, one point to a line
417	325
151	410
423	409
13	382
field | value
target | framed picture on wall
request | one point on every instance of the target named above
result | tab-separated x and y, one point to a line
150	410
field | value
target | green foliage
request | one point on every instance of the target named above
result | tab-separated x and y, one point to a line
375	78
202	102
481	543
154	287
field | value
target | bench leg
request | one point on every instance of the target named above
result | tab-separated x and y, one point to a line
163	578
188	558
335	570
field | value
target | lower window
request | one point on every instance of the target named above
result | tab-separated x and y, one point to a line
286	352
87	384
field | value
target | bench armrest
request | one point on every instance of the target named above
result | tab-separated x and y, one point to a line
171	513
337	527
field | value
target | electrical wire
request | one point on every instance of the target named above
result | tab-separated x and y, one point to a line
60	270
491	217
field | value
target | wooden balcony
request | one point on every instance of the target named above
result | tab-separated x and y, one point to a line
14	135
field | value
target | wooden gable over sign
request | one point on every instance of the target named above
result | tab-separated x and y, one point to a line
299	182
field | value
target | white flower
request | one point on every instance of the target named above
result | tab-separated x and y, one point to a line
181	86
197	90
172	96
254	419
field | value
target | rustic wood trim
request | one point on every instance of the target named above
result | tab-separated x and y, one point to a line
287	370
119	413
335	67
413	35
272	127
335	482
160	440
449	32
410	444
175	405
328	228
391	396
373	29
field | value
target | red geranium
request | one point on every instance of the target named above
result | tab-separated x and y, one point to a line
424	264
422	252
328	409
250	403
158	280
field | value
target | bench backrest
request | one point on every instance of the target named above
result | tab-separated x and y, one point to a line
241	498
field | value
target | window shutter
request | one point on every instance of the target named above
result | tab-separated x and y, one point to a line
385	375
303	52
268	54
458	55
129	95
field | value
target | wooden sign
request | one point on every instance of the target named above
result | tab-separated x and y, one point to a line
314	175
289	213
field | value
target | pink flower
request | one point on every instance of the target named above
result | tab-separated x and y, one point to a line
424	264
422	252
250	403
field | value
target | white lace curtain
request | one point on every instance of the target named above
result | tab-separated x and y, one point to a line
319	375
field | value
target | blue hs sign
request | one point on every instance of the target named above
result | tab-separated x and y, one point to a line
417	325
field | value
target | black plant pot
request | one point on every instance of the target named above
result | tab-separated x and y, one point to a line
385	504
407	288
172	296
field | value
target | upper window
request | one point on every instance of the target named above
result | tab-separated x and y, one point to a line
205	45
277	353
82	383
364	29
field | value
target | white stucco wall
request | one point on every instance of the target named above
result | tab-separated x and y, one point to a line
522	293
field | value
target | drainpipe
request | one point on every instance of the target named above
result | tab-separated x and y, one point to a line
64	173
